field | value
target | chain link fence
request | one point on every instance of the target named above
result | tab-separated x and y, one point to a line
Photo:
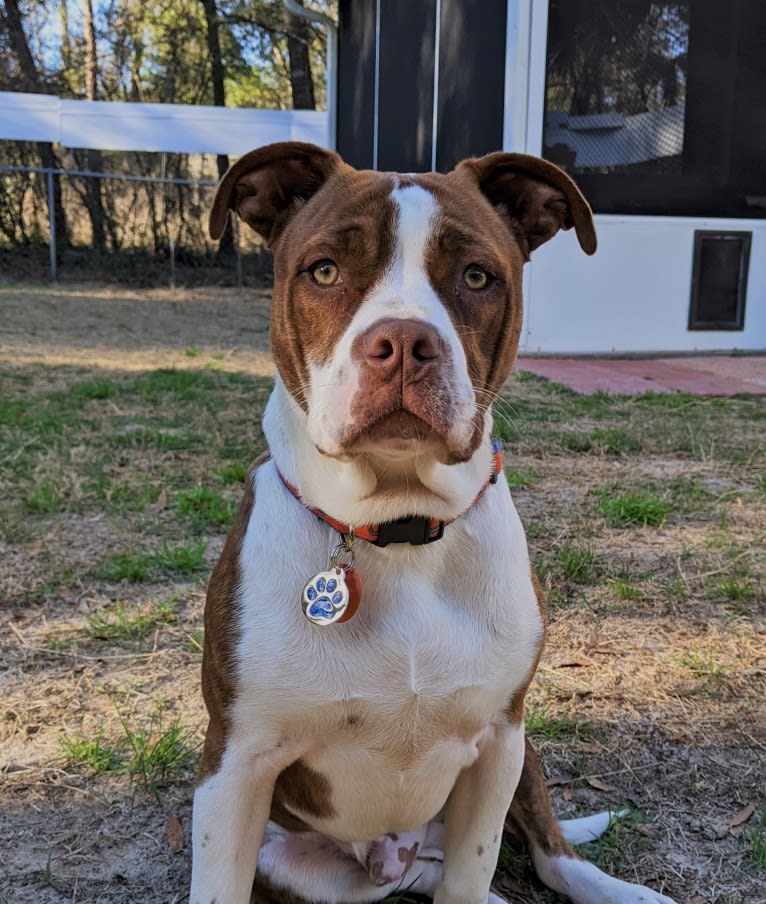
70	224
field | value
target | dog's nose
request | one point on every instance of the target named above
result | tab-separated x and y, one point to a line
409	346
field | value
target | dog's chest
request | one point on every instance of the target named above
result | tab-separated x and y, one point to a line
390	707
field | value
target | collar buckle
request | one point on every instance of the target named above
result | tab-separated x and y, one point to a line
415	530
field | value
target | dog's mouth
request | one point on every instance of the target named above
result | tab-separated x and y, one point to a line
405	433
400	430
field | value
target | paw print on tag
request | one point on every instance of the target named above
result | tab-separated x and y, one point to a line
325	597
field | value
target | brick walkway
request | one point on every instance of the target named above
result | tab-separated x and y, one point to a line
707	375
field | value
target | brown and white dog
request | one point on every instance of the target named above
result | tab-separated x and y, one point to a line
383	751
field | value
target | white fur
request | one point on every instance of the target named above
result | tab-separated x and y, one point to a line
434	644
588	828
403	292
585	883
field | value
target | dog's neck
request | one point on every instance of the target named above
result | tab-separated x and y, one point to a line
363	490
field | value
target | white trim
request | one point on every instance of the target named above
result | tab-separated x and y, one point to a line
516	102
538	40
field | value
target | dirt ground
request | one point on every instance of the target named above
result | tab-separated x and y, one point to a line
650	694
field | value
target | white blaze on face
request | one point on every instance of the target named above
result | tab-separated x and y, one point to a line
403	291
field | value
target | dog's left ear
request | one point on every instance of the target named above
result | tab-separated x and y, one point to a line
268	185
537	197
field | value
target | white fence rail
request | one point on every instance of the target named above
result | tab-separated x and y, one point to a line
110	126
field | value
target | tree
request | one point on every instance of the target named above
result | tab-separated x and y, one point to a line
31	81
301	81
91	192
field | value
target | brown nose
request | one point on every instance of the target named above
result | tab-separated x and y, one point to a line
411	347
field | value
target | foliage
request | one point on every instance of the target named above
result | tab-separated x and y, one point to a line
158	52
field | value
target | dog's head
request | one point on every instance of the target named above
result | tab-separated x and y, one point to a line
397	298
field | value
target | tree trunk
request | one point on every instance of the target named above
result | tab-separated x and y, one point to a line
218	74
301	81
31	81
93	196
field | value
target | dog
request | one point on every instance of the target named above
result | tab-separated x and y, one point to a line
373	623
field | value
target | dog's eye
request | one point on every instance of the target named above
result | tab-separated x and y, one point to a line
475	277
325	273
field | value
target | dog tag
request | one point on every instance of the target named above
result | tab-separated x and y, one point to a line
333	596
325	597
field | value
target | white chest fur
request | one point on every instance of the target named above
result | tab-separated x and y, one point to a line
398	700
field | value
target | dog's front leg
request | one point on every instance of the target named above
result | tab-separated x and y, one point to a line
231	809
475	814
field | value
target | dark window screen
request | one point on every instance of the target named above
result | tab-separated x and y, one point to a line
655	107
719	280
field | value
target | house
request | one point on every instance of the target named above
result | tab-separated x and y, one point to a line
657	110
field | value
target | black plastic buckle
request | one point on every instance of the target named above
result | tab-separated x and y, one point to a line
415	530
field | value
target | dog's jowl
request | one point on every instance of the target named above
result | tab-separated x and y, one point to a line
373	623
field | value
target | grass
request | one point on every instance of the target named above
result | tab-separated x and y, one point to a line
541	723
151	750
123	622
712	675
577	562
150	465
205	507
631	509
756	839
142	565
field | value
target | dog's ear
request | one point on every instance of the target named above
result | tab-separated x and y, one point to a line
537	197
267	185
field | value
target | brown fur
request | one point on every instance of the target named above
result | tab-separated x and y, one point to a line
530	819
222	634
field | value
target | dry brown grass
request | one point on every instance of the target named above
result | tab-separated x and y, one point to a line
650	694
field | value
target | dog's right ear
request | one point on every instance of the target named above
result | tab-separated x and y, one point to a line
268	185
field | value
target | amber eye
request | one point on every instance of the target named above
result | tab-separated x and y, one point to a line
325	273
475	277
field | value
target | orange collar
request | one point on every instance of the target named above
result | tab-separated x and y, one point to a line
416	529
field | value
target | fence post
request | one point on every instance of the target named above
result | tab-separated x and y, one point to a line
51	225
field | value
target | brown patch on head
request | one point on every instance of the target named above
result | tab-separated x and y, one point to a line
351	222
222	610
470	232
536	196
530	819
267	185
299	788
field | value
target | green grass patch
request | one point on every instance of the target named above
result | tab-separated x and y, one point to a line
123	622
519	478
93	753
626	590
142	565
205	507
756	840
614	442
541	723
168	439
577	563
233	472
44	499
151	750
712	675
631	509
